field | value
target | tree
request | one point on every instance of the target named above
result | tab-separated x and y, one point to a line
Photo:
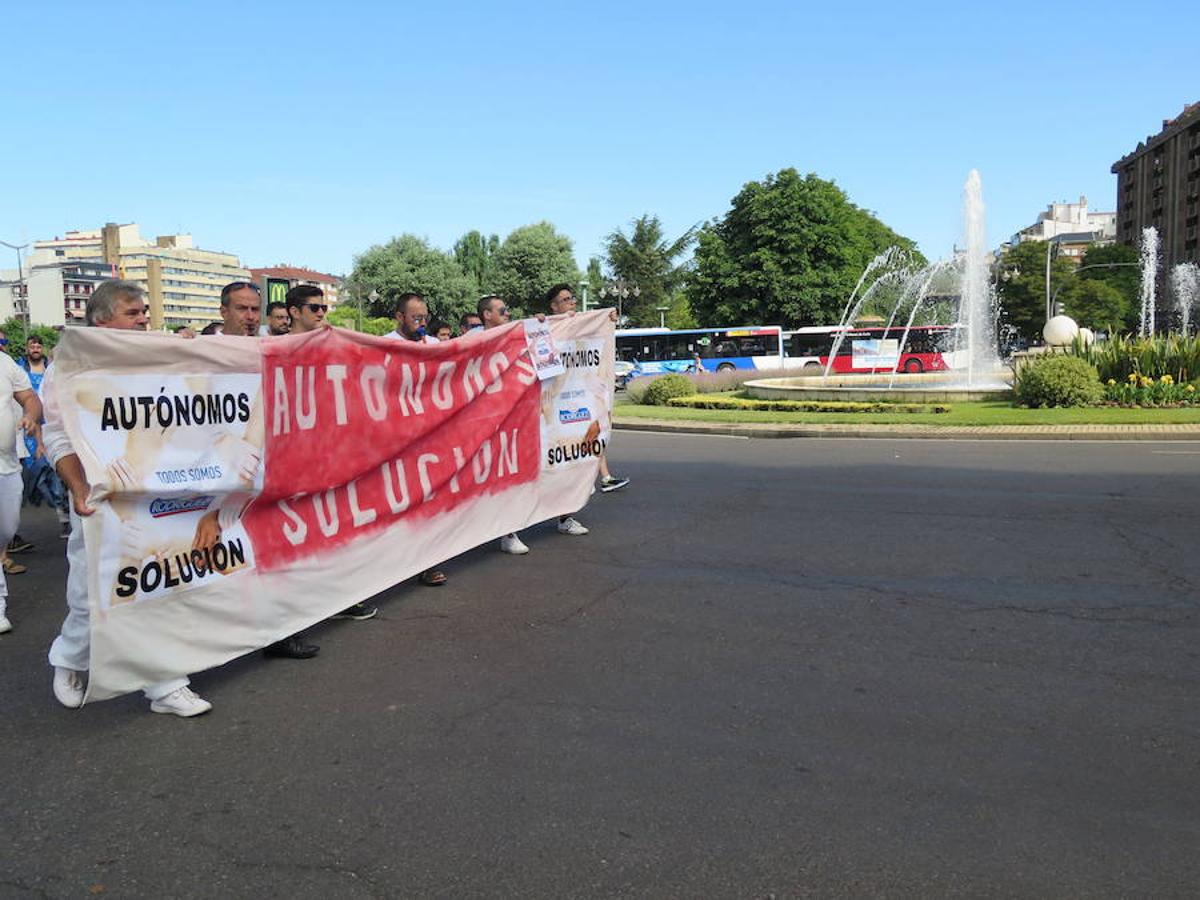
594	280
645	258
345	315
1121	271
789	251
407	263
1095	304
1021	285
475	254
529	262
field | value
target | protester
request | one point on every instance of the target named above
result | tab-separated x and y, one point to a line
412	315
493	312
440	330
185	331
119	305
308	314
211	328
278	321
306	308
241	309
561	300
16	383
41	482
469	321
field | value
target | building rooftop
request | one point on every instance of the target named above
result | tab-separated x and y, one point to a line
1075	237
1170	128
296	273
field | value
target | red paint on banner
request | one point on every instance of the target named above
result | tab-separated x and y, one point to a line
363	431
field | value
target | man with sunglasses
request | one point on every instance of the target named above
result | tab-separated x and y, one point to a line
561	300
412	317
241	309
412	320
307	307
493	312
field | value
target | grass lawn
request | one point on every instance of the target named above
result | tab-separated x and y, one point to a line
987	413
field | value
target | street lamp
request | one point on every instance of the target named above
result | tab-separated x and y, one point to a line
20	281
373	296
662	315
622	290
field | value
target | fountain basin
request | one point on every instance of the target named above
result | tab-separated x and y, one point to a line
927	387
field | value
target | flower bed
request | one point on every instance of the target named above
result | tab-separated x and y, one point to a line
699	401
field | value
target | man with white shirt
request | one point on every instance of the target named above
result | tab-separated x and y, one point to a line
14	381
493	312
412	315
122	305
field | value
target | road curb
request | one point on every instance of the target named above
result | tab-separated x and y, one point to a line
927	432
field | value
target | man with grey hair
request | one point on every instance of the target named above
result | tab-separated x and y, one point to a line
121	305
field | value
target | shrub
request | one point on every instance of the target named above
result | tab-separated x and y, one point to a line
1058	380
716	382
818	406
663	388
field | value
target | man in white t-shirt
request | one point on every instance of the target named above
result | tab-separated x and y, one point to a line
13	380
121	305
412	315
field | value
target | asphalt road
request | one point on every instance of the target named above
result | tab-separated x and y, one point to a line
775	667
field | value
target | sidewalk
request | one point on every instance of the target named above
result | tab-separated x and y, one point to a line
977	432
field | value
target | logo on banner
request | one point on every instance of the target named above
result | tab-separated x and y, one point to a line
173	506
570	416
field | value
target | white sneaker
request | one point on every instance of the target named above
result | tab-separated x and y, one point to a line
570	526
181	702
510	543
5	625
68	687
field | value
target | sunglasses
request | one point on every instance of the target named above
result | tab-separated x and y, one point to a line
502	311
317	307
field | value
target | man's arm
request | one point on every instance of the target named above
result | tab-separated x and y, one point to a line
31	422
60	452
70	470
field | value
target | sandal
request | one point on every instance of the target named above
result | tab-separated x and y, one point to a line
433	578
15	568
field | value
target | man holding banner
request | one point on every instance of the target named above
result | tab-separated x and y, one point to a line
338	464
116	305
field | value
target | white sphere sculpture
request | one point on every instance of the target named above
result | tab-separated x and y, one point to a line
1087	336
1060	331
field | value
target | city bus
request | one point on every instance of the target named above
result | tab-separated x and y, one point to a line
928	348
657	350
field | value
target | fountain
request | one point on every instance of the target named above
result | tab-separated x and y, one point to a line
1149	278
1185	287
976	372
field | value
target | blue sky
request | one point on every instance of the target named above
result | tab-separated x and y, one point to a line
304	133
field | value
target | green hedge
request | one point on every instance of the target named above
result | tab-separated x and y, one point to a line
707	402
1058	381
660	391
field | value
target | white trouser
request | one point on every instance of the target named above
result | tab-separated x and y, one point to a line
70	649
10	517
